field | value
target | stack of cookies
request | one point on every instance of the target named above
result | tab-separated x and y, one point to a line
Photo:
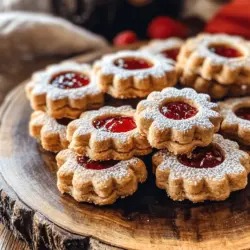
215	64
96	148
100	149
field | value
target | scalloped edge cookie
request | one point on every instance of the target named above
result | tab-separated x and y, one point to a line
60	103
99	144
196	57
200	184
122	83
100	187
178	136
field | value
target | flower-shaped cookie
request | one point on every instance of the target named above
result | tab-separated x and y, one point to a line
178	120
49	131
209	173
211	87
169	47
64	90
236	119
107	133
220	57
130	74
98	182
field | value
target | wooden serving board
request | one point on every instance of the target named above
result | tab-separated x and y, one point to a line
33	208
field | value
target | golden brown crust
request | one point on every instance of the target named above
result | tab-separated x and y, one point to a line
233	126
198	184
85	139
197	58
60	103
121	83
48	131
100	187
178	136
211	87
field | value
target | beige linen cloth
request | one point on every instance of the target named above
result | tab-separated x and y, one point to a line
28	35
29	41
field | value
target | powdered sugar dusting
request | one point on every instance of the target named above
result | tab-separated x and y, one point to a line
41	82
201	45
85	125
160	66
230	165
48	123
151	109
118	171
157	46
227	109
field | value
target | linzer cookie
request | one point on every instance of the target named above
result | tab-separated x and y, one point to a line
209	173
108	133
178	120
223	58
98	182
64	90
211	87
169	48
236	119
131	74
51	133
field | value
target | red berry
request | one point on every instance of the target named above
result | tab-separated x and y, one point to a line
125	37
164	27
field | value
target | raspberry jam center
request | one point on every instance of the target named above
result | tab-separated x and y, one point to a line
116	124
178	110
208	157
171	53
95	165
132	63
243	113
225	51
64	121
70	80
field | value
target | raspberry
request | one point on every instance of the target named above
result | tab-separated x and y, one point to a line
125	37
164	27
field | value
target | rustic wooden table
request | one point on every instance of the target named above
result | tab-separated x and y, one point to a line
10	76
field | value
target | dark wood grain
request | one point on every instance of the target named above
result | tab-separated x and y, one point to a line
32	207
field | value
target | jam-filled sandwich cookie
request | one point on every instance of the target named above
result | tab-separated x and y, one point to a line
178	120
209	173
131	74
169	48
223	58
51	133
236	119
64	90
108	133
212	87
98	182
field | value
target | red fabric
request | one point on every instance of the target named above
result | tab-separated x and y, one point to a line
233	18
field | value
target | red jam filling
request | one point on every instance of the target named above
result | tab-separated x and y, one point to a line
64	121
116	124
95	165
171	53
243	113
132	63
225	51
70	80
178	110
208	157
